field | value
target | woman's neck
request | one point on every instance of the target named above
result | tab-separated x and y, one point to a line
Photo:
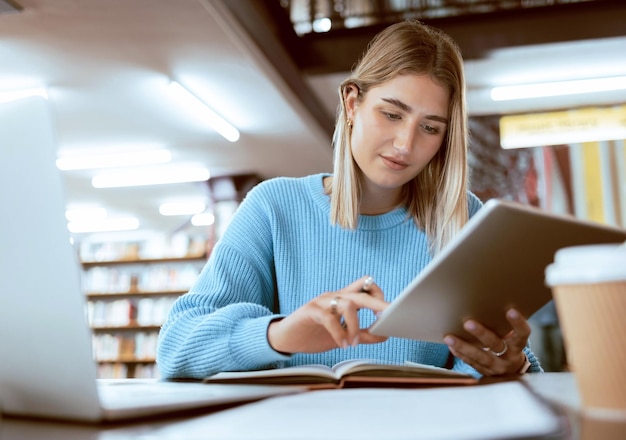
376	204
374	201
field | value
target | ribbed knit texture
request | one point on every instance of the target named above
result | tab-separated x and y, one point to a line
281	238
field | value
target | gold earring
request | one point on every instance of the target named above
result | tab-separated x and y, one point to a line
349	123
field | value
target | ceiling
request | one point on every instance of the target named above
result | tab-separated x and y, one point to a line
106	65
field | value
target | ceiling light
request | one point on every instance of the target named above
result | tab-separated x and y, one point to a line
182	208
198	107
104	225
559	88
14	95
84	214
150	176
114	160
203	219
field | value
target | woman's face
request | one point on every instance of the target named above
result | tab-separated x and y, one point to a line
397	129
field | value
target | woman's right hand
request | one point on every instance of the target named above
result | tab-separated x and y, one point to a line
329	320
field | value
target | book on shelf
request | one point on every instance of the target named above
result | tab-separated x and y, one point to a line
137	347
349	373
179	245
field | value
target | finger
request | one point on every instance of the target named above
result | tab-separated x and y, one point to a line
374	291
374	300
518	337
329	317
483	361
375	305
483	368
488	339
366	284
486	360
351	325
343	323
365	337
346	307
470	353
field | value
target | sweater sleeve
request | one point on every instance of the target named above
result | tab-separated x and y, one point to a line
221	323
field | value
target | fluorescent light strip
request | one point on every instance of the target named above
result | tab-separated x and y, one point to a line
201	109
150	176
203	219
104	225
182	208
114	160
14	95
85	214
575	87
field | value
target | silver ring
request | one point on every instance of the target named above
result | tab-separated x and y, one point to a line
498	353
367	284
333	304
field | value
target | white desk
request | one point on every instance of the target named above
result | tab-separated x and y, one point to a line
356	413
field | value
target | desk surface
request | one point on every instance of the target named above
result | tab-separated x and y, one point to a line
363	414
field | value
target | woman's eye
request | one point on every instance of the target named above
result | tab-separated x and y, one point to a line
430	129
392	116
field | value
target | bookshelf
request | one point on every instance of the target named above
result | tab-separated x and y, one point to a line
130	288
131	285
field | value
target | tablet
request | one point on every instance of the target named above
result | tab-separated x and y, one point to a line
497	262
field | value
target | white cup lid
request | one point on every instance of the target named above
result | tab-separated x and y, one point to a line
587	264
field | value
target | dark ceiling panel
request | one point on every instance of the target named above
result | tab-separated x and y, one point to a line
478	34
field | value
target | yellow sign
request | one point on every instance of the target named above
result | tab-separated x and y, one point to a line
563	127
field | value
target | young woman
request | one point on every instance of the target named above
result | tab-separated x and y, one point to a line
307	263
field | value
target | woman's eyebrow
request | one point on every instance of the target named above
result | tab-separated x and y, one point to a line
437	118
401	105
407	108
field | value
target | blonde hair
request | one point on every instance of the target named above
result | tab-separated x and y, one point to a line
437	197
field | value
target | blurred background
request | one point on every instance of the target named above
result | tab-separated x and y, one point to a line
167	112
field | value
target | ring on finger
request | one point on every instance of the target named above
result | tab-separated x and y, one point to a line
333	304
367	283
498	353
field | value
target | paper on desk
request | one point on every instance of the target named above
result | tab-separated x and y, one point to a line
503	410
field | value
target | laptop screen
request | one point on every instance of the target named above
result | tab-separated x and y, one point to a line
44	337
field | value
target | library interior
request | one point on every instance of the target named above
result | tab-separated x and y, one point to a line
163	115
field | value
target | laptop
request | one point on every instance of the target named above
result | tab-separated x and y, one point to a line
497	262
47	367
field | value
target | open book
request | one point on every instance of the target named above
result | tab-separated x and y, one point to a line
355	372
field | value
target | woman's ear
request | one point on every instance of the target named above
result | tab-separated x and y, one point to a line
350	99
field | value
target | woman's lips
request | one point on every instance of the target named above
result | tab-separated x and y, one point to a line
394	163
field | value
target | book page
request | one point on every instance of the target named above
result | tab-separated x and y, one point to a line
406	369
321	374
313	373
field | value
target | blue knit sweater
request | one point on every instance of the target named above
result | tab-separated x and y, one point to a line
281	240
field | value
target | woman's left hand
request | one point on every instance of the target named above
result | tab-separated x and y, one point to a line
497	356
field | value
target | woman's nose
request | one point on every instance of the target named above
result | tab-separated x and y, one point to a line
403	141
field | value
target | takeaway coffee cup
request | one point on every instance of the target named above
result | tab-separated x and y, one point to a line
589	288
